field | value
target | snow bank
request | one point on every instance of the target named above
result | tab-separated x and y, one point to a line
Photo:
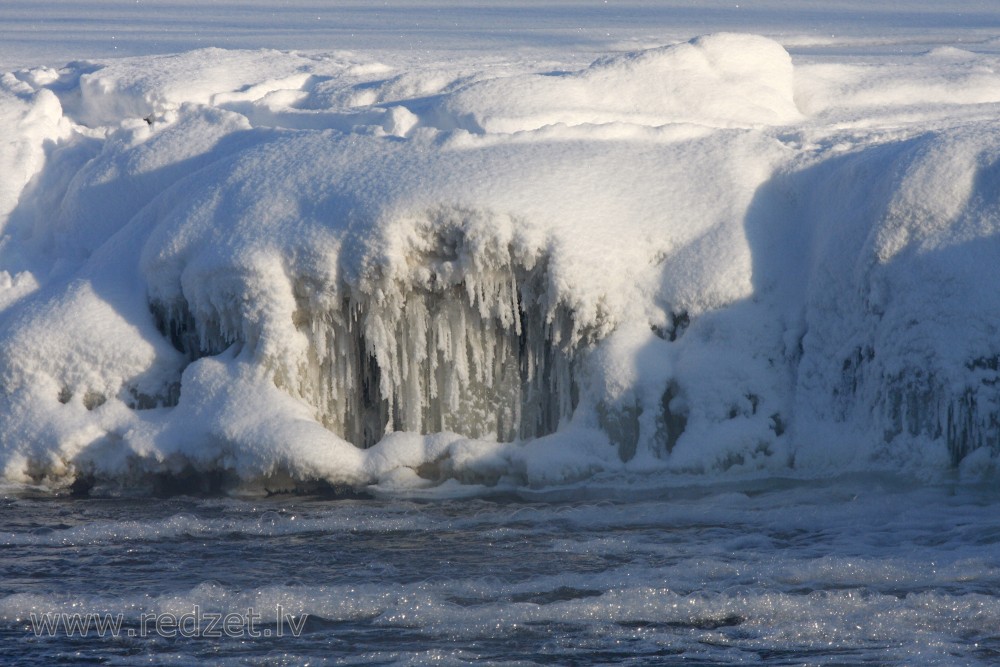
259	268
723	80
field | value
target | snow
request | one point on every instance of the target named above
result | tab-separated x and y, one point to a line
723	80
708	253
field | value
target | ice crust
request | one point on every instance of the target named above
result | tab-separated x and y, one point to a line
696	258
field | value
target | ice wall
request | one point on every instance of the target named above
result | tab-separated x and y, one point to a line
462	338
901	326
268	269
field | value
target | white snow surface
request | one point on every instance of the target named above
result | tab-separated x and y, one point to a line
728	254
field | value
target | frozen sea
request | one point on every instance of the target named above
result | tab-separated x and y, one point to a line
506	332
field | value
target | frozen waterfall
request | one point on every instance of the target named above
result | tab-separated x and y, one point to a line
472	346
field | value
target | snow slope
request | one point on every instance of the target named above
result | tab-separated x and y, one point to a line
275	268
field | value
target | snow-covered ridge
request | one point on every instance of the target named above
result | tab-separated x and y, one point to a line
696	258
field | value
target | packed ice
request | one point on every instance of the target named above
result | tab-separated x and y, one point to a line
703	257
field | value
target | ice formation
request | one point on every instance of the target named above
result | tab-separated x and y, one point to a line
692	258
459	338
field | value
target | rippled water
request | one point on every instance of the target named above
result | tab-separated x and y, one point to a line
869	570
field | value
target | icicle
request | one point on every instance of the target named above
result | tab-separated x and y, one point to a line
463	339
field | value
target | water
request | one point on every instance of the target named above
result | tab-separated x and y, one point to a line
858	570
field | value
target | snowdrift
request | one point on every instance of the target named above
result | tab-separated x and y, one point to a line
263	270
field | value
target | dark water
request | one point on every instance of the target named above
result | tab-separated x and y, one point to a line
870	571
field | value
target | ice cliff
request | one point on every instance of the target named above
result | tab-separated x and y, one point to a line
272	269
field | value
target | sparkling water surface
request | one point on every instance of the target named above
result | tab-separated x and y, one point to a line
856	570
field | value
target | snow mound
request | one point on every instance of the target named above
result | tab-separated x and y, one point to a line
907	339
722	80
267	270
